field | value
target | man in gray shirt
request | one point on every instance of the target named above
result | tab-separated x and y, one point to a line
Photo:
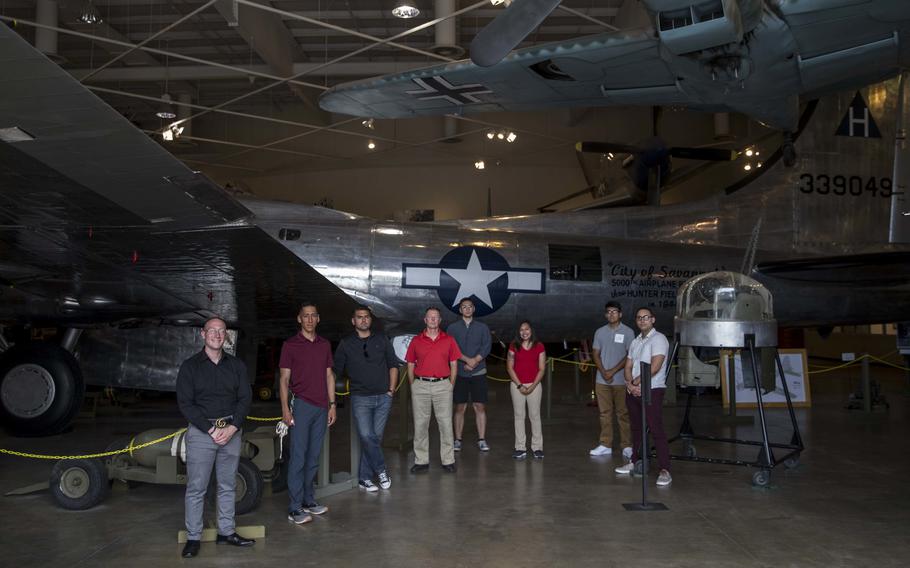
611	346
473	339
372	366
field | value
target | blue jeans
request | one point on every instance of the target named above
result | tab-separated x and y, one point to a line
370	414
305	438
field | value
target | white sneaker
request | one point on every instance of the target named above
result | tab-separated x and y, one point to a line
664	479
627	453
601	450
626	469
483	446
384	480
368	486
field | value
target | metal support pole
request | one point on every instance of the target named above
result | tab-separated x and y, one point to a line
548	392
731	387
323	477
867	384
645	505
577	376
796	440
355	446
750	344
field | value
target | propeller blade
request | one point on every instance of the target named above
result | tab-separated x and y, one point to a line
508	29
606	148
707	154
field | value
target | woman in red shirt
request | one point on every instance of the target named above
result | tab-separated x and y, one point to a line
525	364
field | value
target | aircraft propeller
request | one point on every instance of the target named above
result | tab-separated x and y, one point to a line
508	29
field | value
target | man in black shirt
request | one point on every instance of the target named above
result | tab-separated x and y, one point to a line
372	366
213	393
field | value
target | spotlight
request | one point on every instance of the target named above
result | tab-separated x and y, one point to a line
749	152
747	167
479	165
172	132
368	123
757	152
511	137
501	135
371	145
491	135
610	155
758	165
405	9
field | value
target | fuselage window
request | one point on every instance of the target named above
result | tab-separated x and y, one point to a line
289	234
577	263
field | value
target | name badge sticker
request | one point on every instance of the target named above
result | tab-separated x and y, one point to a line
619	338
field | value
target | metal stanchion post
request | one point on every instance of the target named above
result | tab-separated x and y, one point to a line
645	505
577	376
548	392
867	385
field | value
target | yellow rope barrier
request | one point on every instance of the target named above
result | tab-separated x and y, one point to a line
130	448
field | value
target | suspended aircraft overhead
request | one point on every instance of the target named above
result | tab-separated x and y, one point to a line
757	57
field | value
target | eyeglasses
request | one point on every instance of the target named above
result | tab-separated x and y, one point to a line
215	331
644	318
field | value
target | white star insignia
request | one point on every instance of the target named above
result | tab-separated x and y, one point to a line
474	280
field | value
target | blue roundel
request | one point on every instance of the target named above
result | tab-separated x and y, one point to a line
481	274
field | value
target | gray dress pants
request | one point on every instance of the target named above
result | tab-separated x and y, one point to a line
201	454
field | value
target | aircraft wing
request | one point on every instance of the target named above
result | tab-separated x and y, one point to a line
612	68
98	222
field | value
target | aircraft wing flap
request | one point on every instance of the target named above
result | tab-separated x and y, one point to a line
570	73
886	268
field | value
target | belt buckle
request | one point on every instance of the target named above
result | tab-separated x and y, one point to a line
220	423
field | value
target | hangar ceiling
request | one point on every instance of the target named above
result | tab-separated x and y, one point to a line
231	60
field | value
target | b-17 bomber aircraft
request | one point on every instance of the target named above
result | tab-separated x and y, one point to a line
757	57
109	239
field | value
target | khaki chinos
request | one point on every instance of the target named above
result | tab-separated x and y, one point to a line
428	397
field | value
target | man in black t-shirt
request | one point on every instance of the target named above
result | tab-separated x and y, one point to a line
372	366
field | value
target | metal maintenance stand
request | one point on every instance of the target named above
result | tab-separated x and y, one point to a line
645	505
730	310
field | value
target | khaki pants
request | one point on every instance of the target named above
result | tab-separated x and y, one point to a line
532	401
427	397
612	400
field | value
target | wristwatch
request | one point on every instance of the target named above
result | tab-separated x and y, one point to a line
331	403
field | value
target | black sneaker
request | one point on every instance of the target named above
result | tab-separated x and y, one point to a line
538	454
519	455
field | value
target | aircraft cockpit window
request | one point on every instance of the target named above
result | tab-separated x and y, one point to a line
577	263
289	234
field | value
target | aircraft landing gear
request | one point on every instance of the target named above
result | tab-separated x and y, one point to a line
788	150
41	389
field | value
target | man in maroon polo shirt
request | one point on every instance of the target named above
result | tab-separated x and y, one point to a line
432	366
305	369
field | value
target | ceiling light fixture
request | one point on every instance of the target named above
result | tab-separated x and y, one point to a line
479	165
167	108
89	14
491	135
511	137
405	9
749	152
747	167
368	123
501	135
371	145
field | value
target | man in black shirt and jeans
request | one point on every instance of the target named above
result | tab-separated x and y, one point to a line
371	364
213	393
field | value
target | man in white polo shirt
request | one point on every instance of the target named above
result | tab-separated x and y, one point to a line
651	346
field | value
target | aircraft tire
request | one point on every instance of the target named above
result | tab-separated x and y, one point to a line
41	389
248	488
79	484
249	499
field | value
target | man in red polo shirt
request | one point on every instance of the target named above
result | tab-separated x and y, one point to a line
305	369
432	366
